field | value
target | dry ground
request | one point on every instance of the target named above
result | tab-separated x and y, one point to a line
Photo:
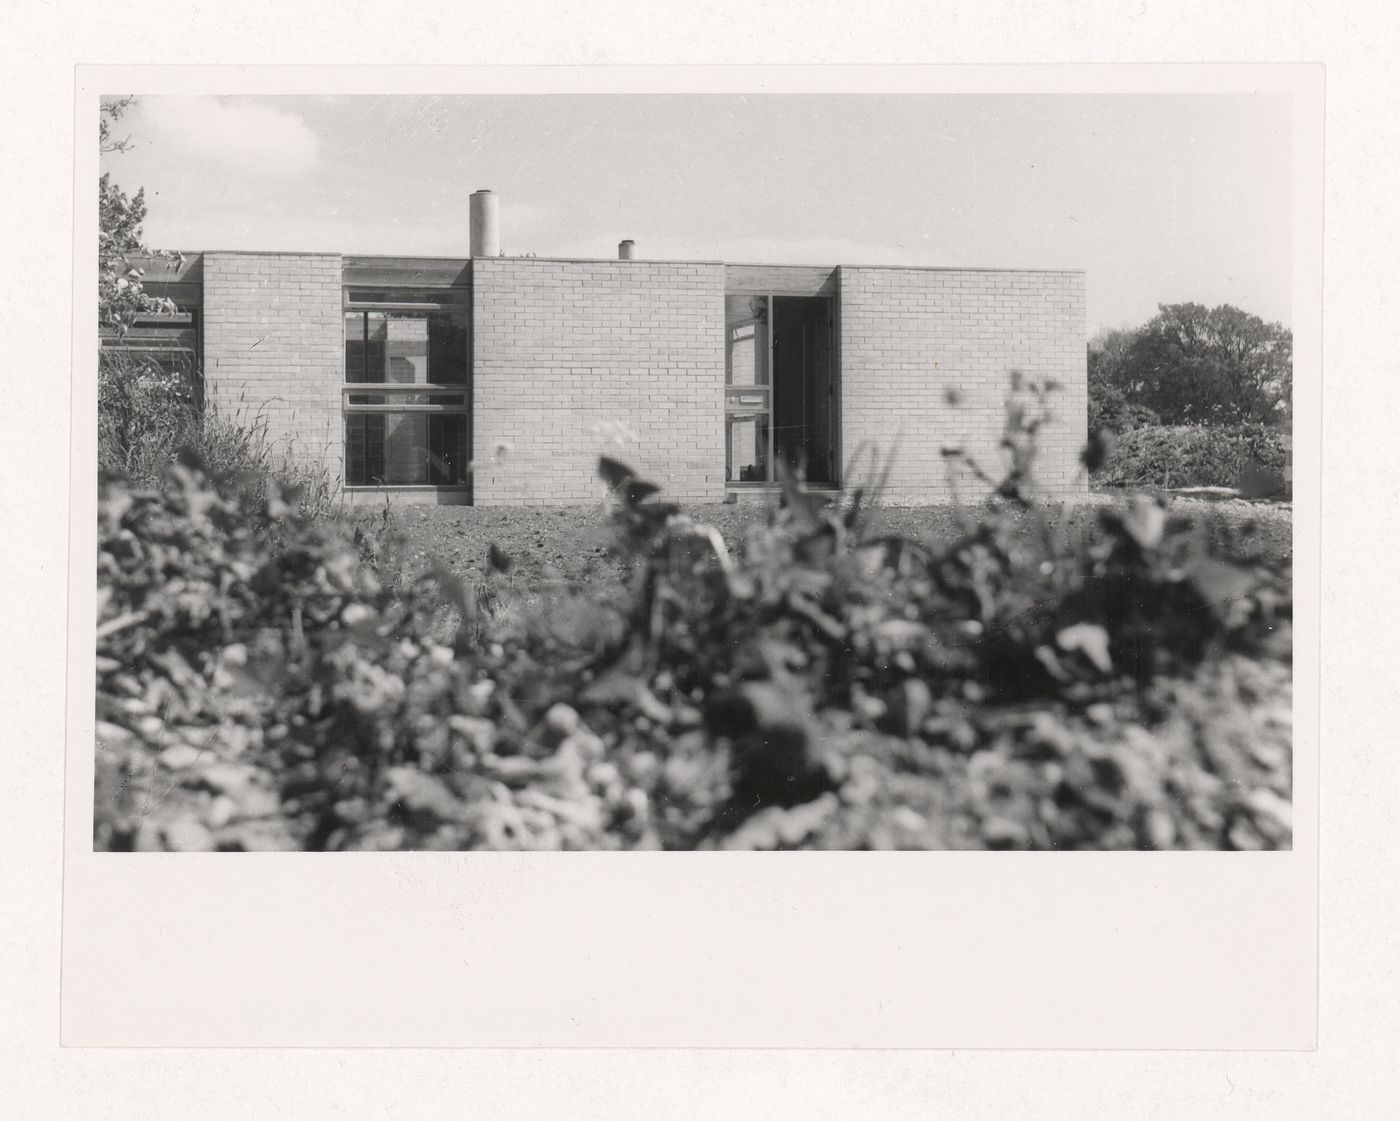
567	546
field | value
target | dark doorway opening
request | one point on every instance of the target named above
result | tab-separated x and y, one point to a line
803	434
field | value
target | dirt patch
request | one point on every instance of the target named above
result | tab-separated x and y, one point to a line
568	548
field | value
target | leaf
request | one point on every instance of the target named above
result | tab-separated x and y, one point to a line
1145	522
612	688
777	828
1089	639
636	490
1097	450
1220	583
612	472
453	587
424	794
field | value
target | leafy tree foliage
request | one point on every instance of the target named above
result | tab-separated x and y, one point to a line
1192	365
1214	366
120	295
112	111
1109	406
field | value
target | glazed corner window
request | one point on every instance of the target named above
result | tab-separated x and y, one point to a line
161	344
407	388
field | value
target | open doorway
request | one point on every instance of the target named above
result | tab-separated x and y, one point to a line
780	400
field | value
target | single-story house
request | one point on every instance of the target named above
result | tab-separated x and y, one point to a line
498	380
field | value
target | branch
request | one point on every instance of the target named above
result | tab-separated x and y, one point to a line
113	109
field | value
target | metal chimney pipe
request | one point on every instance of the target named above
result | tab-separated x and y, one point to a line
626	250
486	224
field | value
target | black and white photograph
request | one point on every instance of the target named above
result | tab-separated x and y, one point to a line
623	560
769	561
694	471
565	556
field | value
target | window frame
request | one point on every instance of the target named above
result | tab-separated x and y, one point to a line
761	307
158	337
419	302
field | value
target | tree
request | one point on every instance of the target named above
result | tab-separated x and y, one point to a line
112	111
1193	365
1109	406
120	295
143	409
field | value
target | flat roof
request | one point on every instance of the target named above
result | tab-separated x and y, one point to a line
157	264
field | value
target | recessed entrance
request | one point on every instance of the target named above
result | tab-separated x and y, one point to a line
780	404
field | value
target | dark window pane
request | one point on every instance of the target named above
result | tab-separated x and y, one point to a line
376	346
405	348
355	347
405	449
364	450
449	348
447	450
408	348
746	440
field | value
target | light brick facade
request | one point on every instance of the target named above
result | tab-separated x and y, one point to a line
274	351
563	349
909	337
572	359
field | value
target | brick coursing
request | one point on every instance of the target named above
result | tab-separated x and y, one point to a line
564	348
907	336
274	350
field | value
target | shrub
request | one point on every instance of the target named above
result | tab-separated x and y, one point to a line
1109	407
148	417
260	685
241	463
144	413
1191	455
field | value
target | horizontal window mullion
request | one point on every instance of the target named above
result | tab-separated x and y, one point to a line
400	387
148	348
402	307
456	410
426	487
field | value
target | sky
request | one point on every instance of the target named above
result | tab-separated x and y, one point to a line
1161	198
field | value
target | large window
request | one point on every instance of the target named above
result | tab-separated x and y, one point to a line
164	344
407	388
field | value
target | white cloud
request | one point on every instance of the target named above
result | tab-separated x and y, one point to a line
253	138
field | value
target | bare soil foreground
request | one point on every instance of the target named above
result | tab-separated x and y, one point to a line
1115	674
555	547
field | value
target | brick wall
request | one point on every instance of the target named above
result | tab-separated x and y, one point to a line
563	347
907	336
273	347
